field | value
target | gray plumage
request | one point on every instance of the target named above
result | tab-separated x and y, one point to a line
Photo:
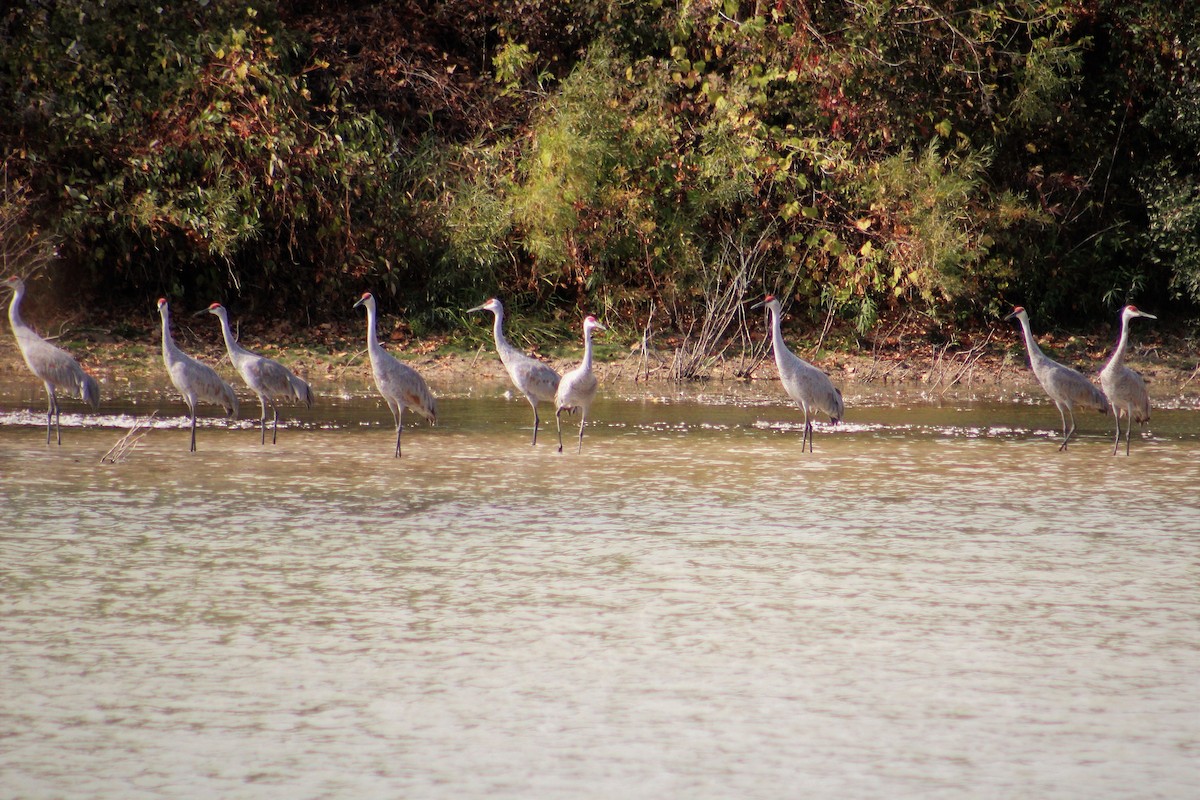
267	378
1125	388
807	385
1066	387
577	389
537	381
401	386
53	366
198	383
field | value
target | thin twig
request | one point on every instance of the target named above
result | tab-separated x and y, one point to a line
126	444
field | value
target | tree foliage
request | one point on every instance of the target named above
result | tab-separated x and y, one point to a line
944	154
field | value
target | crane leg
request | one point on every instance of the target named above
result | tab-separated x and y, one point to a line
275	425
1128	433
193	447
399	428
1117	440
558	424
536	420
262	418
582	422
51	405
1066	431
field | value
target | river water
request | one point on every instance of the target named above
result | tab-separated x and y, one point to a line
936	603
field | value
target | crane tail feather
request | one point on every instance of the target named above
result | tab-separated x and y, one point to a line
303	392
90	391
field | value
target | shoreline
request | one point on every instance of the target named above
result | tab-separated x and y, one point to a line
925	372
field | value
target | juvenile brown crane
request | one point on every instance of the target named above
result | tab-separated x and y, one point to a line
266	377
53	366
1125	388
1066	387
198	383
577	389
807	385
401	386
537	381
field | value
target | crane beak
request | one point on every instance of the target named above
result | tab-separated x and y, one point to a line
1010	316
759	304
476	308
1147	316
359	303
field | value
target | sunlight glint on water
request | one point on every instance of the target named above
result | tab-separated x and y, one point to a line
935	603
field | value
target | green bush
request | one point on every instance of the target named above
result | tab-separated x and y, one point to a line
951	156
182	152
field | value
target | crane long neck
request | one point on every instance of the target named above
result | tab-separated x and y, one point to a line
168	344
502	345
14	309
372	337
1119	354
587	349
1035	352
230	343
777	336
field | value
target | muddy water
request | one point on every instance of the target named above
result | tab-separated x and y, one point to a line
935	604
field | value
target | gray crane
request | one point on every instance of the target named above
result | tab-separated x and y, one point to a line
1125	388
807	385
267	378
537	381
198	383
401	386
55	367
577	389
1066	387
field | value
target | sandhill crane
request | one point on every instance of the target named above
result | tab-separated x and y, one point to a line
401	386
198	383
55	367
577	388
267	378
1125	388
537	381
1065	386
807	385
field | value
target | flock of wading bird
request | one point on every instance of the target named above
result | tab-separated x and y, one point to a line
1121	392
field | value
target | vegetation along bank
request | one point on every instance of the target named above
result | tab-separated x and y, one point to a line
887	167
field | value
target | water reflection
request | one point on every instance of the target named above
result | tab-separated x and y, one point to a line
935	603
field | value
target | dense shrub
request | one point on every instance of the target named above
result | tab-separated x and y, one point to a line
946	155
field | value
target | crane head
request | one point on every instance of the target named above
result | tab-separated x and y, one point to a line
492	304
591	323
14	283
1131	311
1016	312
162	303
766	301
366	299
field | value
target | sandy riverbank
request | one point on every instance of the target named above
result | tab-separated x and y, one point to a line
988	363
